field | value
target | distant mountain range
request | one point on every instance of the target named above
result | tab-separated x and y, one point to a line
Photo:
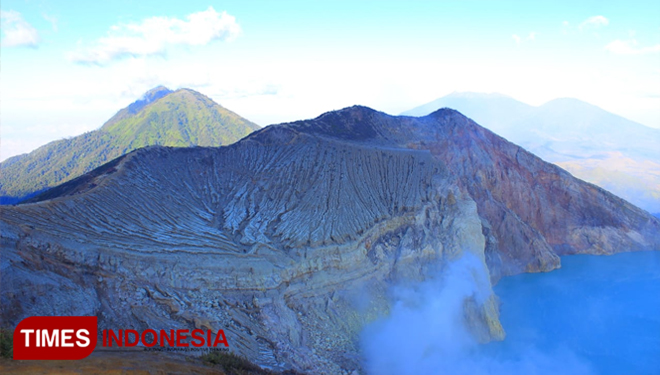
181	118
617	154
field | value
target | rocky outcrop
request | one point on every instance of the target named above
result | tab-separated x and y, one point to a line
291	238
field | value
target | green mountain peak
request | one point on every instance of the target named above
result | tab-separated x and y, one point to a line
181	118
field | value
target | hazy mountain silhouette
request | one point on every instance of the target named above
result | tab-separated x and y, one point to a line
600	147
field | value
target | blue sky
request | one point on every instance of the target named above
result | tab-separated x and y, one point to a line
68	66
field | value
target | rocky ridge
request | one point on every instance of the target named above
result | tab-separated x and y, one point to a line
291	238
594	145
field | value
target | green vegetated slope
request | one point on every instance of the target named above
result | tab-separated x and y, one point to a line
181	118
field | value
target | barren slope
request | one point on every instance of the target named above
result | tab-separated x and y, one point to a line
290	238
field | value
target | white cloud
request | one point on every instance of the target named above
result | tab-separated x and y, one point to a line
153	35
629	47
52	19
595	21
530	37
17	32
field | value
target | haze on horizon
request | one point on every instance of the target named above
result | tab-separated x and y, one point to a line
68	66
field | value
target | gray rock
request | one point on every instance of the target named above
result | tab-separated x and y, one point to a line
291	239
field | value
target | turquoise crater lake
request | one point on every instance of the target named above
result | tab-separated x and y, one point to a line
595	315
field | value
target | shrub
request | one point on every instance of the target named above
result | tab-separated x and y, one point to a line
233	364
6	343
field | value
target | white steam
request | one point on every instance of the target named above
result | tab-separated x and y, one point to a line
426	332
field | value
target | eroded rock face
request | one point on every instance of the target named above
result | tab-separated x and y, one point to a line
290	239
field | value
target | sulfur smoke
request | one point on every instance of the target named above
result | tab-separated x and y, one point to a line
426	332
